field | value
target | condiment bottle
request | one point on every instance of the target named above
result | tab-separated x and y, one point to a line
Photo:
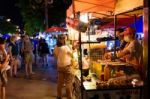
106	72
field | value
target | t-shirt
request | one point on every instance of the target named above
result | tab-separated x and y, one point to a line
63	56
135	52
14	49
27	47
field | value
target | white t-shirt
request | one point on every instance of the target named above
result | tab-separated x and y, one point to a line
63	56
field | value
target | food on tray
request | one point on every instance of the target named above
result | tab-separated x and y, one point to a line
87	78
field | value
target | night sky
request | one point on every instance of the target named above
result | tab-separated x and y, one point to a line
57	13
8	9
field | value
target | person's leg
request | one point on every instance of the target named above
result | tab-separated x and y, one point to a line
11	71
3	92
3	77
45	61
69	83
26	60
30	64
60	83
15	67
26	69
12	67
30	68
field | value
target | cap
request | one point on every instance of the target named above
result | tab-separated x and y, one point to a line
120	30
129	31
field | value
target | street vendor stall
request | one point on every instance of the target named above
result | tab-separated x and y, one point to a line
106	79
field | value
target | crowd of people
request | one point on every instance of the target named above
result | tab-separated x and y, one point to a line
18	54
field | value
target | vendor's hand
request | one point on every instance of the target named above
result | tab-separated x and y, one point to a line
107	56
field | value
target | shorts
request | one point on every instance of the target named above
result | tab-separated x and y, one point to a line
65	76
3	77
28	57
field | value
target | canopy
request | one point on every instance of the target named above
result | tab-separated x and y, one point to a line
56	29
104	9
101	8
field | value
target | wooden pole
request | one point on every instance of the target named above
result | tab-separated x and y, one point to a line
146	68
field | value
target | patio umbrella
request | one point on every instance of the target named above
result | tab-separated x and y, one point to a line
56	29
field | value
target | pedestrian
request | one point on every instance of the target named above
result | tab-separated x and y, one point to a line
14	56
27	49
4	61
43	52
63	54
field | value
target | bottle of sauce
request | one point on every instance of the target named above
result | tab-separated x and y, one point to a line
106	72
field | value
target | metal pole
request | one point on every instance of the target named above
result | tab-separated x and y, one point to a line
80	64
46	14
115	24
135	18
146	68
80	58
89	34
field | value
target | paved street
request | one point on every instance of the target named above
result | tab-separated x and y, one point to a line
42	84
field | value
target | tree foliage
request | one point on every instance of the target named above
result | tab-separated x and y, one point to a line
7	27
33	13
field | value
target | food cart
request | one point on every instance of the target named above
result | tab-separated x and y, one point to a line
114	82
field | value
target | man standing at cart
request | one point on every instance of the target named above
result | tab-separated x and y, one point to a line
132	51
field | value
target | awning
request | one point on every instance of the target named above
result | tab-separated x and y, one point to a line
105	7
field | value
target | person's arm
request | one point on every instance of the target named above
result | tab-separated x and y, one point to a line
10	53
5	63
126	50
69	51
55	52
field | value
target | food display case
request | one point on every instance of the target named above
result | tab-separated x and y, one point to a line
108	80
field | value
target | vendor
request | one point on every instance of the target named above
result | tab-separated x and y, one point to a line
120	36
133	49
132	53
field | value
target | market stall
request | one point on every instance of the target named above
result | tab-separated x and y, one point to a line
106	79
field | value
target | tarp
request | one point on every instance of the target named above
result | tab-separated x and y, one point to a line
104	9
103	6
121	22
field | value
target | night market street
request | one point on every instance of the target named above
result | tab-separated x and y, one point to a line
42	85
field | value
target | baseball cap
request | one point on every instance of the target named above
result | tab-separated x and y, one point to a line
120	30
129	31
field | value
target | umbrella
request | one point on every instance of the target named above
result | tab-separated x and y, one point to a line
56	29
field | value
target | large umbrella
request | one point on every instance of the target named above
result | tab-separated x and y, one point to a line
56	29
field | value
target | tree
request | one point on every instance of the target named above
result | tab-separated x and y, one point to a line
33	15
7	27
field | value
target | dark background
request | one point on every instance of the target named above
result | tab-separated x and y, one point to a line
9	10
56	12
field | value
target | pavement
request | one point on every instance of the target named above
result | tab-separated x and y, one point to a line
41	85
